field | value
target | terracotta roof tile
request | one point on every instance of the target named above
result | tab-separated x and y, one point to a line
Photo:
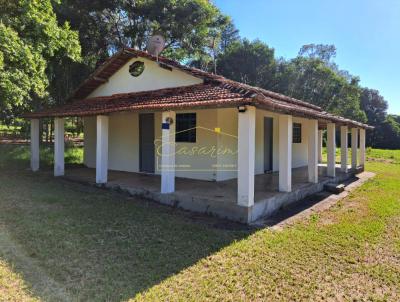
200	95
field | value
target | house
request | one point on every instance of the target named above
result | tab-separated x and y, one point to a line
190	138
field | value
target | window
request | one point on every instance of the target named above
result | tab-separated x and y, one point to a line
136	68
185	128
296	133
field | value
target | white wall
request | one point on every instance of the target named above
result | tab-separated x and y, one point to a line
153	77
124	144
227	121
196	165
123	154
299	151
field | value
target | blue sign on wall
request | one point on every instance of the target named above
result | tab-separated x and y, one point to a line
165	126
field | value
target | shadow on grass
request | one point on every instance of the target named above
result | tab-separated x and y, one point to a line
72	242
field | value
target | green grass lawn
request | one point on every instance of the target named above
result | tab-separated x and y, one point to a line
338	159
9	130
5	127
61	241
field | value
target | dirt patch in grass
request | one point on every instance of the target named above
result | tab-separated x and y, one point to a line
48	288
382	160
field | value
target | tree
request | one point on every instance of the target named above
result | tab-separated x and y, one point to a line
112	24
229	35
375	107
312	76
315	78
219	41
248	62
388	133
322	52
30	37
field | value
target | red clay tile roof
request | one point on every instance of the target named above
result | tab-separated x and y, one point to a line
199	96
216	91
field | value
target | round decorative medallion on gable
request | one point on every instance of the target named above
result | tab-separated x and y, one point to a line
136	68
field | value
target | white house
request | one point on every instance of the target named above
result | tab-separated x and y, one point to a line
158	117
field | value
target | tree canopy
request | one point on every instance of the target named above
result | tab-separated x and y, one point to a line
248	62
312	80
106	26
312	76
387	127
30	36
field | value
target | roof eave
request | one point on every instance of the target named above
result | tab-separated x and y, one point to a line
268	103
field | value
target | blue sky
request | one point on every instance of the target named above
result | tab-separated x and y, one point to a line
366	34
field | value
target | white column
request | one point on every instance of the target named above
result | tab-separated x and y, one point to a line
320	140
168	152
362	147
35	155
58	146
331	149
313	147
285	152
344	154
246	156
354	143
102	149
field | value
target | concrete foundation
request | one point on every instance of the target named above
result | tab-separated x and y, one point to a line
216	198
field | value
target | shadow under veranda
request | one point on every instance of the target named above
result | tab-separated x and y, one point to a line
98	245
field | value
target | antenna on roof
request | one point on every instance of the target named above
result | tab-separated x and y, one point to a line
155	45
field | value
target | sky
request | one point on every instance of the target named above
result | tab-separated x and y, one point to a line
366	34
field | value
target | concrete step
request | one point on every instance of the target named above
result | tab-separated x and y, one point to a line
334	188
